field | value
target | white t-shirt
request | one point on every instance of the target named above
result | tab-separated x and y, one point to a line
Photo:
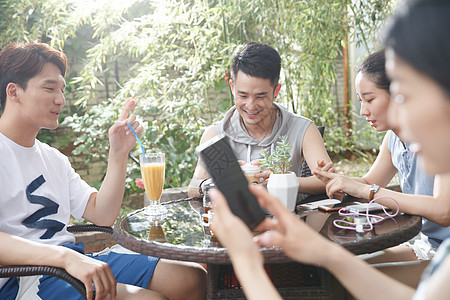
43	175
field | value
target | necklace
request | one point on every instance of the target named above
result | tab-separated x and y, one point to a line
268	128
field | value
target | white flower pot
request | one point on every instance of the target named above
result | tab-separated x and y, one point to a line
285	188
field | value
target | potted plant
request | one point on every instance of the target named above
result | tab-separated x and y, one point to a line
282	183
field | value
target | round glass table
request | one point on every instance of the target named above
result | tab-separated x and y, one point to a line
181	236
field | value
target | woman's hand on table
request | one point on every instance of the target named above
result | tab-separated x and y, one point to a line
288	232
339	184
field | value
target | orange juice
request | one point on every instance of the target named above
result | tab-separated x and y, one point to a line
157	234
153	178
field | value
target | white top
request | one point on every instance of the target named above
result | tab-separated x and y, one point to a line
39	188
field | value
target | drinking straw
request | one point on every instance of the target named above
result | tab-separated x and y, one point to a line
137	139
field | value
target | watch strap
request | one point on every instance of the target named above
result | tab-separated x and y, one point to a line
373	189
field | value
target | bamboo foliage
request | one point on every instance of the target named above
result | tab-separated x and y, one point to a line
177	53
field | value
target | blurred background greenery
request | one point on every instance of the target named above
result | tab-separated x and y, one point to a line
173	56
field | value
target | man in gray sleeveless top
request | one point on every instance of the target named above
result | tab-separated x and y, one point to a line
255	122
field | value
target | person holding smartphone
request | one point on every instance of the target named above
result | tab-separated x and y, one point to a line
418	51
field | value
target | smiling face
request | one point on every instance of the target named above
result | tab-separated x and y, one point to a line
42	100
253	98
374	102
421	111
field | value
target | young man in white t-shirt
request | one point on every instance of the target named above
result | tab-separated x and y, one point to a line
39	190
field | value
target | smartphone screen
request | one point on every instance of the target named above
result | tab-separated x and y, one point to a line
222	166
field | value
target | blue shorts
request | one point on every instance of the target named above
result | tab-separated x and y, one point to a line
134	269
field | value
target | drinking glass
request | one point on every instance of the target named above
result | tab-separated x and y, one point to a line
207	209
156	232
152	170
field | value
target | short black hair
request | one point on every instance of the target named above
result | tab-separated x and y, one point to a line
374	68
420	35
257	60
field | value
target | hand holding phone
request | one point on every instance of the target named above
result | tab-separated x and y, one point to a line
222	165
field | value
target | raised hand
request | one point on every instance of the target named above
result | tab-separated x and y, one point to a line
121	138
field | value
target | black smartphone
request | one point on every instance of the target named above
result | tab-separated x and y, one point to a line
222	166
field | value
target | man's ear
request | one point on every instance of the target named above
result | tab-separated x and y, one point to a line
12	91
231	86
277	90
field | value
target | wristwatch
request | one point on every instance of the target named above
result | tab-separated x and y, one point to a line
373	189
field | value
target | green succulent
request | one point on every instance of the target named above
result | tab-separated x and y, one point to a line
279	161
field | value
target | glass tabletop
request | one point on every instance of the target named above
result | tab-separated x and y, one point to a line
182	226
182	236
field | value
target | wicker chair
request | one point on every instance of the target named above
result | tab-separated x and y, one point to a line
20	271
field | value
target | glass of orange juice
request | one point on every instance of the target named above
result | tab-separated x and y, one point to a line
152	170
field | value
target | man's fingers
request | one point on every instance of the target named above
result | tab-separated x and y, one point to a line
132	120
320	163
100	292
328	167
255	162
113	281
329	175
241	162
89	289
129	106
263	174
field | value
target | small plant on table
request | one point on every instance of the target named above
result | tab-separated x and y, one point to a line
279	161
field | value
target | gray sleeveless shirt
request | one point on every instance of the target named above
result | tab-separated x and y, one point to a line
247	148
